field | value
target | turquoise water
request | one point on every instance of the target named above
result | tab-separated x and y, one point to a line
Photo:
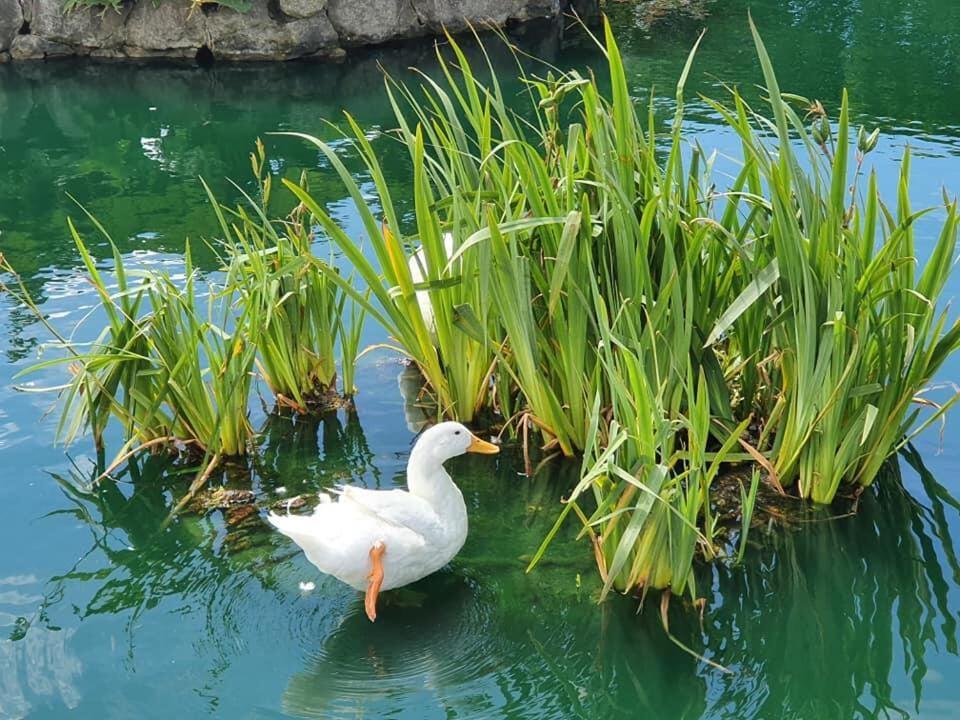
109	611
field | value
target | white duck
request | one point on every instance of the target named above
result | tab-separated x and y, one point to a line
381	539
418	273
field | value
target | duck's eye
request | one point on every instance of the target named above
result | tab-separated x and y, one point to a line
456	432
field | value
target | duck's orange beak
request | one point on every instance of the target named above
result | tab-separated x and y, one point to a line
482	446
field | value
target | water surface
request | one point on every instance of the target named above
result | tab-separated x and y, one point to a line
108	611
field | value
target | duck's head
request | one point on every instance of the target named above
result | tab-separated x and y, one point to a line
448	440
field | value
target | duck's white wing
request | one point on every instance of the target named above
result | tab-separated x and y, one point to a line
394	507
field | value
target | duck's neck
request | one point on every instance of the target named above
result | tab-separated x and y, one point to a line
427	478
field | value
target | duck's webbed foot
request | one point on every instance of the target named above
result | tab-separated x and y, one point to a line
374	579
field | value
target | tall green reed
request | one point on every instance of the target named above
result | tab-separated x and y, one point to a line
175	361
112	376
171	364
858	334
642	317
301	309
205	356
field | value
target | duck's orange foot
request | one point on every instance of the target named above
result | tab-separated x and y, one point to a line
374	579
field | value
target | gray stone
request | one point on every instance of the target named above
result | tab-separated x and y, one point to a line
11	18
255	36
272	30
302	8
167	28
108	53
4	57
458	14
373	21
139	53
83	27
33	47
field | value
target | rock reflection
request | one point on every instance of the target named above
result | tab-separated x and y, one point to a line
157	126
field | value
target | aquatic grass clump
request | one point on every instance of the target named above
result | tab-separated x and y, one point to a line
399	285
584	256
857	333
300	309
205	360
117	378
176	361
610	297
113	376
173	368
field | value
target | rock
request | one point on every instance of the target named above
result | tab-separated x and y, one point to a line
236	515
302	8
108	53
271	30
83	27
220	498
167	28
11	19
33	47
287	504
373	21
458	14
4	57
256	36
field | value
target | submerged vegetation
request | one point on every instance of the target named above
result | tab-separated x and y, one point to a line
582	282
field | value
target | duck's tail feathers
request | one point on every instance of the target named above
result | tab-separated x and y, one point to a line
290	525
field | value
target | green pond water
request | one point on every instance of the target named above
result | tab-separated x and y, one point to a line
107	611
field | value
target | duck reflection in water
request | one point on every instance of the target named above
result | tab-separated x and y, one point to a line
440	636
804	638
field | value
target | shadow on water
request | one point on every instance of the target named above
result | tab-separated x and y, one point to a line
835	620
148	558
304	454
819	624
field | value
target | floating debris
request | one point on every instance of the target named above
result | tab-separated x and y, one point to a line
221	498
297	501
238	513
